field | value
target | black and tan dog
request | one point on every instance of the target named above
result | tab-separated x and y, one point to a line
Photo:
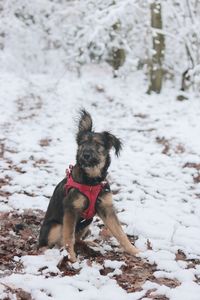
83	193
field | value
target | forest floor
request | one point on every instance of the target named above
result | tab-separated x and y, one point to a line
155	182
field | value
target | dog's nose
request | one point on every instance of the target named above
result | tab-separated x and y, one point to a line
86	155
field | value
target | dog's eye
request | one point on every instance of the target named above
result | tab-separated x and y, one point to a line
82	142
99	144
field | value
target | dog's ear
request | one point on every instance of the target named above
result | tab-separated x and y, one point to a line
112	141
84	123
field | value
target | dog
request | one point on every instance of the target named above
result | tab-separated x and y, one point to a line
83	193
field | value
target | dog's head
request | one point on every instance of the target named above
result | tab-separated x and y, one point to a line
94	147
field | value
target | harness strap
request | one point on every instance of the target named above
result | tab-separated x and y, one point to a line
90	191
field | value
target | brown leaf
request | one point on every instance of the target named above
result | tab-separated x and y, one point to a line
45	142
180	255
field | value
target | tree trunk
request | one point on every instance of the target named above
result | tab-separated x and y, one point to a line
156	71
117	54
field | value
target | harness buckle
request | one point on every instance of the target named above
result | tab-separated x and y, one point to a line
69	171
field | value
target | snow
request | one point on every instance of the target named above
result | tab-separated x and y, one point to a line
158	199
113	264
50	258
22	202
89	284
185	291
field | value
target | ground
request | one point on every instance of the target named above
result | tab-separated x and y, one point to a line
155	182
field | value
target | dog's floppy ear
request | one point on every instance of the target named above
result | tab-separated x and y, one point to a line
112	141
84	122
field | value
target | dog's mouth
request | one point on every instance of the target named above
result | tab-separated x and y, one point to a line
88	162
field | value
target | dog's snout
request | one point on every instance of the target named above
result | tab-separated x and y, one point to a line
87	154
87	157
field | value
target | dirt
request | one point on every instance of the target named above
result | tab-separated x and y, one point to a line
170	146
196	166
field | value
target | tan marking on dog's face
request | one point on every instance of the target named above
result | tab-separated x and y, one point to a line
96	170
55	235
92	153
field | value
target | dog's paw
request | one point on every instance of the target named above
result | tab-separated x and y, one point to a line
70	253
136	251
133	251
41	250
72	258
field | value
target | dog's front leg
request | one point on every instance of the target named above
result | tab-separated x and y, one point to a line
74	204
107	213
69	223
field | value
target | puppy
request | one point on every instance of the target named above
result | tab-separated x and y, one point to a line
83	193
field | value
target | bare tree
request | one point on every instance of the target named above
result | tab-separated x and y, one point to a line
156	71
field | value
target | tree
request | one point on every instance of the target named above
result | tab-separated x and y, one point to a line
156	71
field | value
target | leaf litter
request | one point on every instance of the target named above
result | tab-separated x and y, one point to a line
19	236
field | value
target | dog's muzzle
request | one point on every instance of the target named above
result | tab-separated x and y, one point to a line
87	159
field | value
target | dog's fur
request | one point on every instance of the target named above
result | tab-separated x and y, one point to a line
64	210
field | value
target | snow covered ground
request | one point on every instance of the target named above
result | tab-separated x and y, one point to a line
156	176
156	179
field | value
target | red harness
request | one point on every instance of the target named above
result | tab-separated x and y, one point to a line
90	191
